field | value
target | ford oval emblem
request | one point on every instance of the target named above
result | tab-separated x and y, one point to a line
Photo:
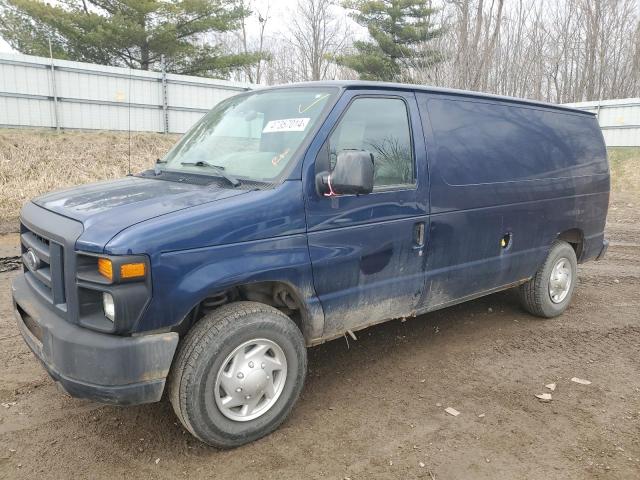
32	260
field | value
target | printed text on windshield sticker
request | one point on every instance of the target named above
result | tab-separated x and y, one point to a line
286	125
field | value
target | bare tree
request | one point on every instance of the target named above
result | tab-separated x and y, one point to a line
317	34
253	73
284	67
559	51
564	51
635	63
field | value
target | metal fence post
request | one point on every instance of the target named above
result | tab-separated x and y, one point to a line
53	89
165	108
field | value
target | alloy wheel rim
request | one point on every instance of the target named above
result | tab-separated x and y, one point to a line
250	380
560	280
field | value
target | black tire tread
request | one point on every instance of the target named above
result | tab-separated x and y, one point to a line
196	341
531	293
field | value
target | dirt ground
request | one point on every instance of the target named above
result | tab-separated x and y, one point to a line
375	408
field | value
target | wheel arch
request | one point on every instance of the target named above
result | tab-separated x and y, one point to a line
575	238
278	293
185	281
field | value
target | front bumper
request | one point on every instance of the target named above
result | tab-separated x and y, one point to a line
87	364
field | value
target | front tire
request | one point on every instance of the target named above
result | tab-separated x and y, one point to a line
237	374
549	292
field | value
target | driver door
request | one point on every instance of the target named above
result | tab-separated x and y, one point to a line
367	251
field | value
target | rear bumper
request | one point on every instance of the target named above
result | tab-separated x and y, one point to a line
87	364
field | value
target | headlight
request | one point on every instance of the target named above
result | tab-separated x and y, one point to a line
108	306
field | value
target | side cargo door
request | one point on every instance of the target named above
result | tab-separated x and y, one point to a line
368	251
506	179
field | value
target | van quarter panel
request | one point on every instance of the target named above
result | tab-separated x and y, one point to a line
501	170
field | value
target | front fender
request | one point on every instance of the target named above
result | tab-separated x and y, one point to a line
182	279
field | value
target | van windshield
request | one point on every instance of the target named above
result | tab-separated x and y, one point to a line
252	136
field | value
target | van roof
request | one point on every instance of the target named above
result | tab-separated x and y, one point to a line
359	84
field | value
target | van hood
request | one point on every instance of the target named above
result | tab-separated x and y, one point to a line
106	208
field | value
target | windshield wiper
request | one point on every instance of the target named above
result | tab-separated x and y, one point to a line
218	169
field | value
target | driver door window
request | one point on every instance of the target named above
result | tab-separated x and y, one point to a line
379	126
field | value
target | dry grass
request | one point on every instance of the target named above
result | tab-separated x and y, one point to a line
625	169
33	162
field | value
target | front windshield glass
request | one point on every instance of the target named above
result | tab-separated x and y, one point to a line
252	136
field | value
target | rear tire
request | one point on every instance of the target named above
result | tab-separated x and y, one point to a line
549	292
238	347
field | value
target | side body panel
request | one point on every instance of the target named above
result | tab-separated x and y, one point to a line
501	170
367	267
188	277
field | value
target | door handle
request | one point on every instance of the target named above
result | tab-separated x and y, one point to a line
418	235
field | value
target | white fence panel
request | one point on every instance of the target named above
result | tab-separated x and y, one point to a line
26	111
619	120
88	96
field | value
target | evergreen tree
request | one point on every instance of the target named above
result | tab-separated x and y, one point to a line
399	31
133	33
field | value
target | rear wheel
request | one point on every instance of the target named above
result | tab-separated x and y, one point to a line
238	373
549	292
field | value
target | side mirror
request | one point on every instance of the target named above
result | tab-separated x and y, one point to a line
352	174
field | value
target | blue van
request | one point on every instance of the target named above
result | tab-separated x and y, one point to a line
290	216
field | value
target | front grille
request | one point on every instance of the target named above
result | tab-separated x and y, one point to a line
43	265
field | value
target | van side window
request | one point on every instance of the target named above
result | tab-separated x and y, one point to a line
380	126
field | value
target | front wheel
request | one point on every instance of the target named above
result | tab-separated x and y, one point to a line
549	292
238	373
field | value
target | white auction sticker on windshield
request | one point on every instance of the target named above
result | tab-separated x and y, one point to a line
286	125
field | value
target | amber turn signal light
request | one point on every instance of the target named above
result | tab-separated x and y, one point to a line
127	270
105	267
132	270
